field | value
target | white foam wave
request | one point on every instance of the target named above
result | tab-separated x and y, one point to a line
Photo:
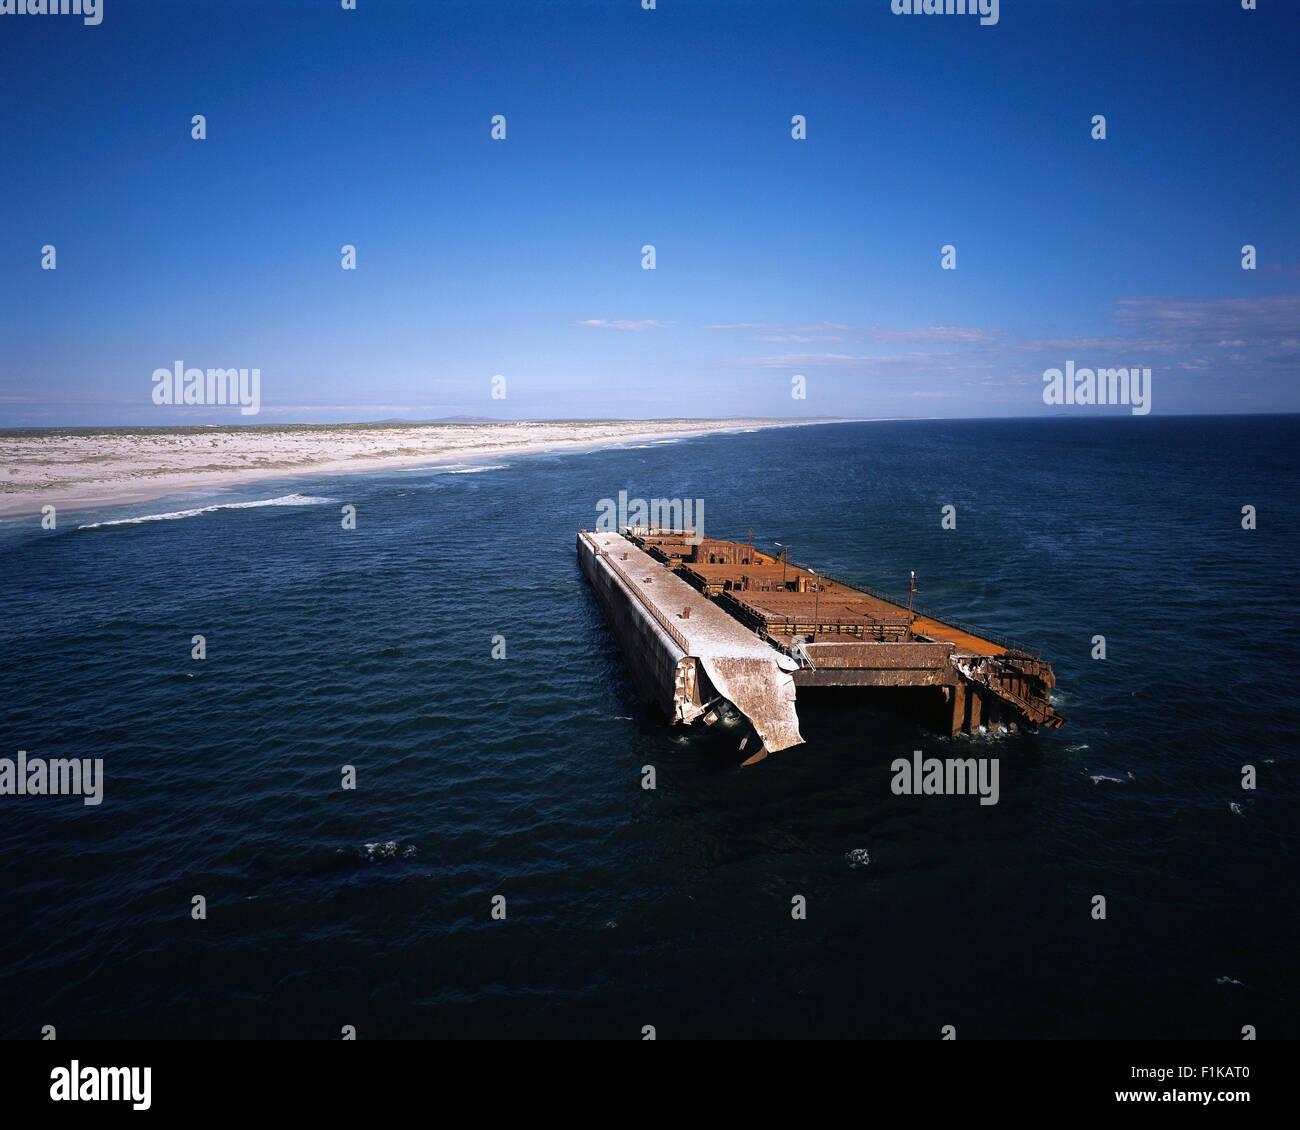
476	470
1096	778
390	850
283	500
858	857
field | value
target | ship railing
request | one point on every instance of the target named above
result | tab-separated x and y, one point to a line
677	637
656	532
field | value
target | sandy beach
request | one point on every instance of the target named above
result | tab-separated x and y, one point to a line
82	469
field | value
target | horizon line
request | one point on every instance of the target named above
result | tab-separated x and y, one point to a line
476	421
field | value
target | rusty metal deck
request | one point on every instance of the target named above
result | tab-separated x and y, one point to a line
843	634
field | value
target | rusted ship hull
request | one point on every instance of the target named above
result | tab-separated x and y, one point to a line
709	624
693	668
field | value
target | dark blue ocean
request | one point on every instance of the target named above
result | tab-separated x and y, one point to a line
521	776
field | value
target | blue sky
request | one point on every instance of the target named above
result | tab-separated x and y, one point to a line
625	127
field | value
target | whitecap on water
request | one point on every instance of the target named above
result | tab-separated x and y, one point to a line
858	857
390	850
170	516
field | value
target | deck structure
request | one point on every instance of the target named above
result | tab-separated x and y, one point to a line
706	623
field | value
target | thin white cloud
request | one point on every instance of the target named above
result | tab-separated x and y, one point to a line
933	335
1193	336
834	332
947	362
622	324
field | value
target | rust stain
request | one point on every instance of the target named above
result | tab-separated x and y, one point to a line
848	635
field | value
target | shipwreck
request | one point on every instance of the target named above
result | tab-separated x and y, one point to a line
710	627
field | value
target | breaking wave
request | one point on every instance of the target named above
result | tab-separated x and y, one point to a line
858	857
283	500
390	850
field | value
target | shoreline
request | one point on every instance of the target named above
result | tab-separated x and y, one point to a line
140	472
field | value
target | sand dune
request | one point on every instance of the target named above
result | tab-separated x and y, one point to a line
81	469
